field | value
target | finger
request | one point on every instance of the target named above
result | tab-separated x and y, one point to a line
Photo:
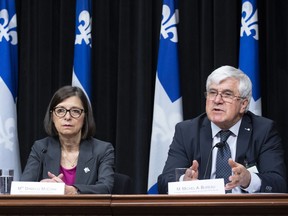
232	163
195	165
235	181
51	175
60	175
56	178
189	173
47	180
230	186
237	172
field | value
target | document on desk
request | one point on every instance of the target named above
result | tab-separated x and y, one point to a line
37	188
206	186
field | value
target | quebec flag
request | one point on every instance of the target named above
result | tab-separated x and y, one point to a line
249	46
167	99
82	48
9	147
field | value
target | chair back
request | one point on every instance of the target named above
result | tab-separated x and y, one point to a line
122	184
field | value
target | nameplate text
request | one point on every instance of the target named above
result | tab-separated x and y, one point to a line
34	188
206	186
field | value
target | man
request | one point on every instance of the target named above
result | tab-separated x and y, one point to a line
256	162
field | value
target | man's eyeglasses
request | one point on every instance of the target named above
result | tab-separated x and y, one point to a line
74	112
227	96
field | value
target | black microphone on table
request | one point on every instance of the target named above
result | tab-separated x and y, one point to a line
218	145
40	169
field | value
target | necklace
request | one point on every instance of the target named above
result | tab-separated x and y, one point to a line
73	162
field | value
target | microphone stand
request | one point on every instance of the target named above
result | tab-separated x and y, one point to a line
218	145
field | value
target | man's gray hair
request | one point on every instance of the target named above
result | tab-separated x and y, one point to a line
224	72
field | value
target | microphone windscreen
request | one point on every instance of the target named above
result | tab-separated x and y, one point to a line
220	145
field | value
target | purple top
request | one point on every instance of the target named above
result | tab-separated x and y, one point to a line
69	175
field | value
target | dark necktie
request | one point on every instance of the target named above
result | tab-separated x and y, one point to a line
223	170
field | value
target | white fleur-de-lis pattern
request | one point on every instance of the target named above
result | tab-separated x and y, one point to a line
165	122
84	27
8	127
8	27
7	133
249	21
168	24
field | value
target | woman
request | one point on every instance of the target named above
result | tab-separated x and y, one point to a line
70	154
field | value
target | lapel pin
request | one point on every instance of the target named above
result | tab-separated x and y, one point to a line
86	170
247	129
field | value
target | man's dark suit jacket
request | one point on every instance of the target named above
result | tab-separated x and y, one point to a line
95	168
258	143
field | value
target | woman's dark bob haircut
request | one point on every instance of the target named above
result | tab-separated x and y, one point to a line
88	129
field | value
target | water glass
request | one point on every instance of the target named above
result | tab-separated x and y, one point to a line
6	178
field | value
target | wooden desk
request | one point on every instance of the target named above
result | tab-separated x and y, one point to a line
234	204
244	204
55	205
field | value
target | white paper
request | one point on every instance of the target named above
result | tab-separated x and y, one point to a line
206	186
37	188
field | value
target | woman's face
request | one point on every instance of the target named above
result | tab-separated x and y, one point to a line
68	117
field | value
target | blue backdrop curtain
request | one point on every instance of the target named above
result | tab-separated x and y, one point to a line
125	37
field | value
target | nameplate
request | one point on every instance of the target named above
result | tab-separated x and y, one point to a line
206	186
37	188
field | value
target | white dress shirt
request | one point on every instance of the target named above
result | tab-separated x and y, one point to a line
255	183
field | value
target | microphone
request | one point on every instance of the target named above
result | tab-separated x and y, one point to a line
40	169
218	145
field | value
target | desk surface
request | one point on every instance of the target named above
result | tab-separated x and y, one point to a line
232	204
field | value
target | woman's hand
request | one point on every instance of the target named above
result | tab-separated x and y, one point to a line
69	190
53	178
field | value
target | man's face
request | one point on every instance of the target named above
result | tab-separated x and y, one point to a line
223	107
